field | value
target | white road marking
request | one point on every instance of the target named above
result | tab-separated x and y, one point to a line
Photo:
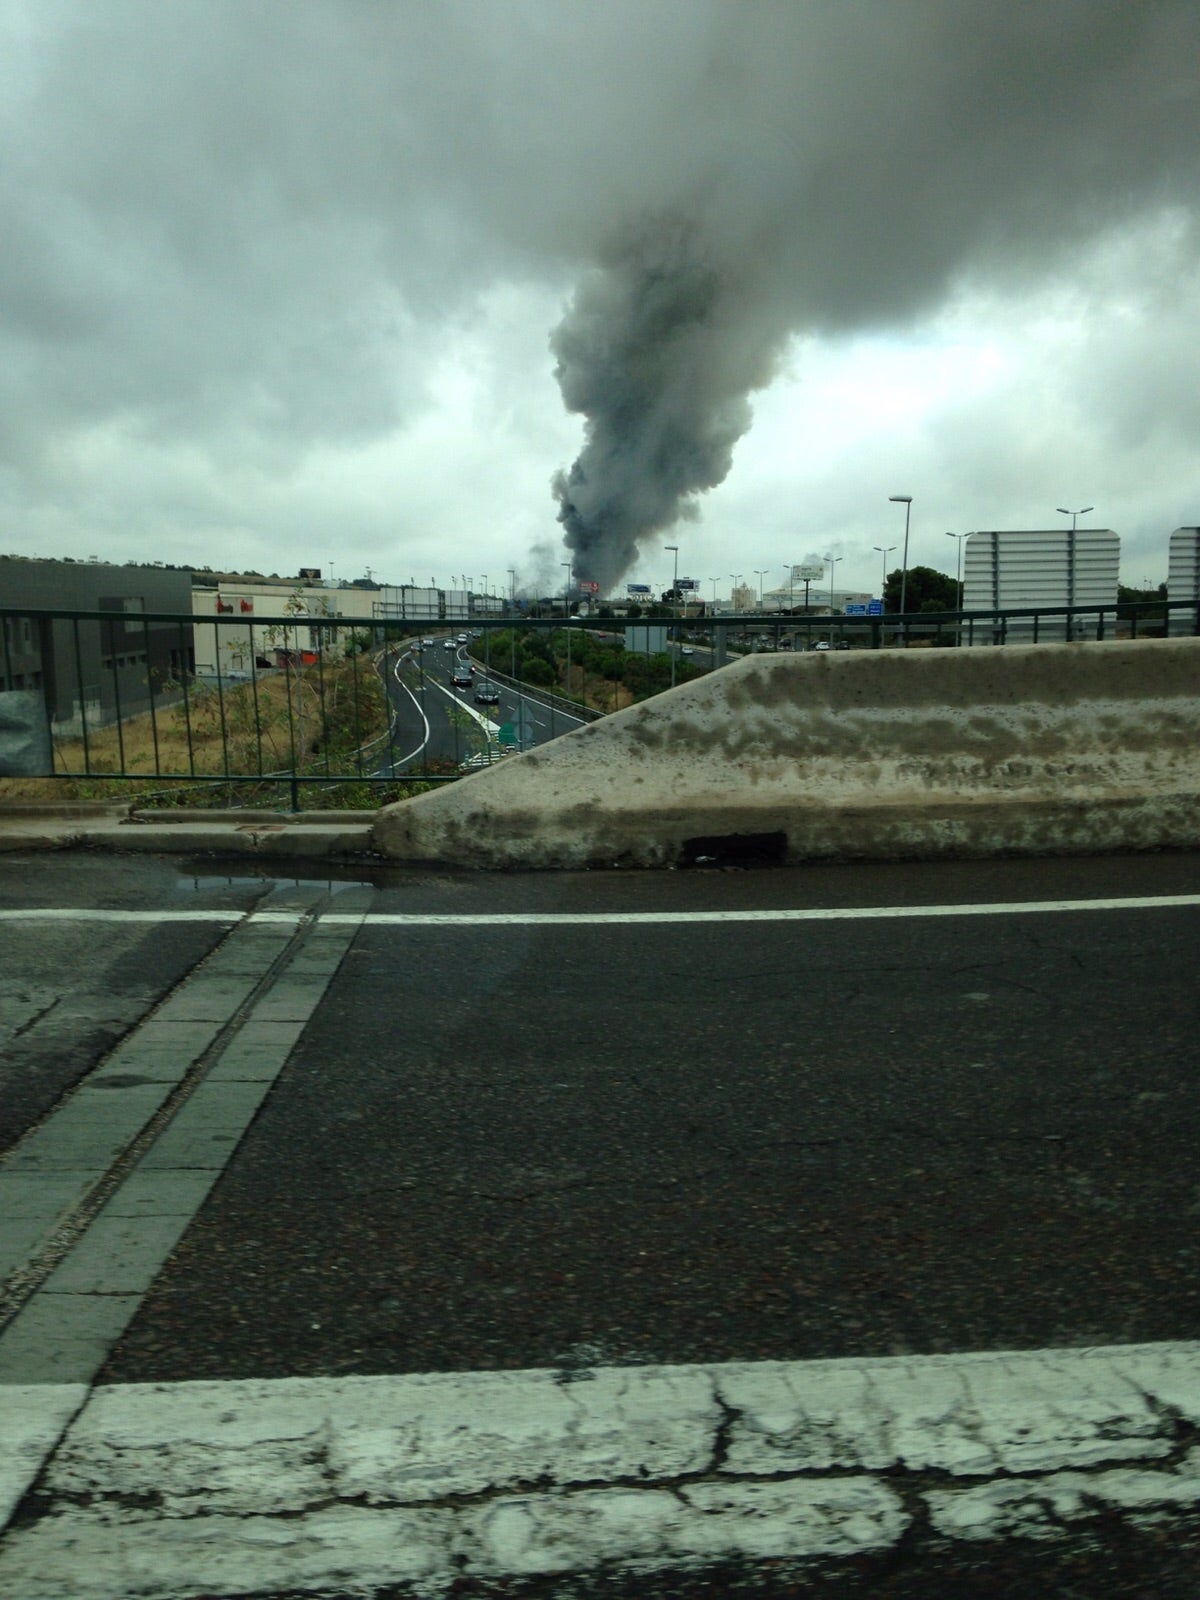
257	1486
484	919
807	914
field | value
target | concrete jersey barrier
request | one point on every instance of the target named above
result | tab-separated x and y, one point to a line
890	754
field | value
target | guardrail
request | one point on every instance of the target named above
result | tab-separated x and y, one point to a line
179	706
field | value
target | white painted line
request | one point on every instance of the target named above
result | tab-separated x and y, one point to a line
259	1486
402	919
484	919
93	914
413	754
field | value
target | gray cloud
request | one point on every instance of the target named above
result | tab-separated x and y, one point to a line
240	239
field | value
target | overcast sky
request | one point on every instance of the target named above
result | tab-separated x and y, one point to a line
429	288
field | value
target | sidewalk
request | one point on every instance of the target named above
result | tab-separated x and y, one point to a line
333	835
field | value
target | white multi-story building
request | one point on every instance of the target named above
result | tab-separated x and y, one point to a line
1183	577
1017	569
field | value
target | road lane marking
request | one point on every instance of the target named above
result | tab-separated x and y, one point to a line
259	1486
807	914
484	919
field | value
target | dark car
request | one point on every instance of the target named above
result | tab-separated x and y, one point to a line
461	679
487	694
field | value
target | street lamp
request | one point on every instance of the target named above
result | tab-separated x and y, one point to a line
906	501
674	548
885	551
960	537
833	561
1074	515
567	621
760	576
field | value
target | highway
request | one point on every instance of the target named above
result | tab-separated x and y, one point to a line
484	1145
425	730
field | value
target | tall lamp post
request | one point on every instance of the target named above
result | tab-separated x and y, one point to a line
674	548
760	576
960	537
567	622
885	551
512	608
1074	516
906	501
833	561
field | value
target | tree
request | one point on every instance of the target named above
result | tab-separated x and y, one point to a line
927	589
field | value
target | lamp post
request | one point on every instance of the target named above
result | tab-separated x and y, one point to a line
760	576
960	537
906	501
713	581
833	561
1074	516
675	600
512	609
567	622
885	551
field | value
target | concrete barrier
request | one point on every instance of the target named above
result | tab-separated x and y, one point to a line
890	754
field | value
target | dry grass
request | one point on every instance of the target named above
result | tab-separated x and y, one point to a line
150	746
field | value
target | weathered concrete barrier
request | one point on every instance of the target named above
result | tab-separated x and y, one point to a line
1035	749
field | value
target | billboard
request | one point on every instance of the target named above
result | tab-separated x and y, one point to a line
637	588
808	572
589	586
688	583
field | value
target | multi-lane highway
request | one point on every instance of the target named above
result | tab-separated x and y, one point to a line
438	723
826	1232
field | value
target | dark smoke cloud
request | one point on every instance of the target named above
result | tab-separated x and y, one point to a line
654	354
851	164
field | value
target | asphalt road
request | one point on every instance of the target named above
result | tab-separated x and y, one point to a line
732	1136
426	729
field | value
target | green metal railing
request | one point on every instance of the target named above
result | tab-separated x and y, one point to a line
180	708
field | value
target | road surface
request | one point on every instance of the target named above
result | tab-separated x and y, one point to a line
590	1177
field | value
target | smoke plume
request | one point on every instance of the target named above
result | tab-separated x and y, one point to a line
654	353
842	168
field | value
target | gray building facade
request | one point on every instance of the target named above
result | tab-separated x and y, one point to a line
102	667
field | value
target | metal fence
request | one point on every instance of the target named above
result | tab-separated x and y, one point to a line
179	709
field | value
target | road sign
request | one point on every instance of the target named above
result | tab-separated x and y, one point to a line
874	608
855	608
808	572
507	734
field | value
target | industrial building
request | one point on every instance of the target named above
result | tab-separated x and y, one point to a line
102	667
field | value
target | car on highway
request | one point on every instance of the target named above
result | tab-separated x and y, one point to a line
687	651
425	642
462	638
449	644
487	694
461	679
